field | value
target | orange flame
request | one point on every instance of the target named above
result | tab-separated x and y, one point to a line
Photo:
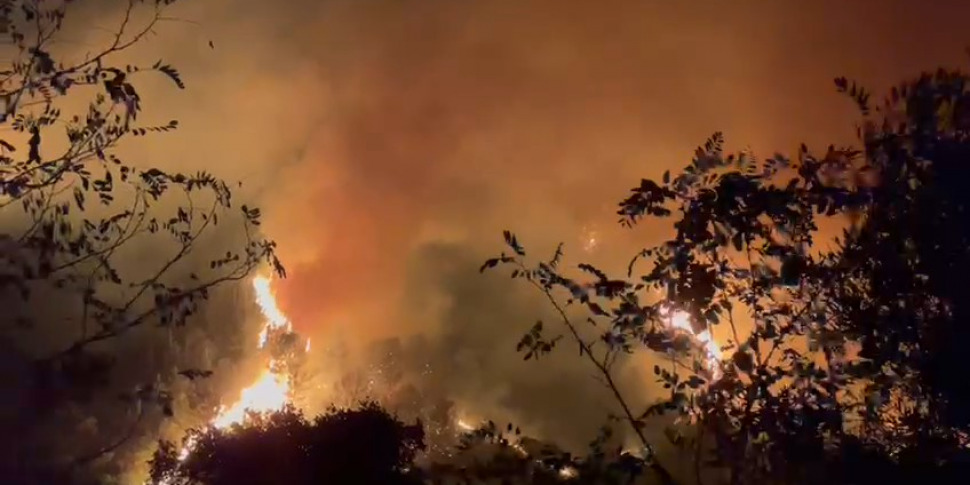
681	321
463	425
271	391
275	318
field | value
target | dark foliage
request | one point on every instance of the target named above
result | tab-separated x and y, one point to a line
493	455
908	301
358	446
853	370
76	215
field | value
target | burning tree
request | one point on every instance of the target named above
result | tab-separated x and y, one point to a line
118	245
841	365
264	438
285	350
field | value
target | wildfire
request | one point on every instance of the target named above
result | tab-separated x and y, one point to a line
275	318
677	319
590	239
271	391
464	426
681	320
568	473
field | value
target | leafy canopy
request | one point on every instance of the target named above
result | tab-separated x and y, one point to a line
117	244
841	361
365	445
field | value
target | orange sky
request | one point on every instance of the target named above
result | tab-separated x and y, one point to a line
390	141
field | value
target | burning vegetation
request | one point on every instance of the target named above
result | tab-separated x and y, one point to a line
777	360
439	443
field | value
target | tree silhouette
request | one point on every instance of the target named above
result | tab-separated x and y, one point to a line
840	365
365	445
78	219
493	455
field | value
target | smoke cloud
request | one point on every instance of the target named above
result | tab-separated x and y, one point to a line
390	141
427	127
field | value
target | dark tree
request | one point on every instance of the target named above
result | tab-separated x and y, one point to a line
362	446
843	362
493	455
93	247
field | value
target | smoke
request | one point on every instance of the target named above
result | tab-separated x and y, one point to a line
390	141
439	123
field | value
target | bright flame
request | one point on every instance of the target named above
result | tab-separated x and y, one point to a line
681	320
464	426
590	240
275	318
271	391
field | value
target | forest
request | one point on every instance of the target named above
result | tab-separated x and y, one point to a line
801	314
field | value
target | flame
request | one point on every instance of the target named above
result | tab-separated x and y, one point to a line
680	320
590	239
463	425
271	391
568	472
677	319
275	318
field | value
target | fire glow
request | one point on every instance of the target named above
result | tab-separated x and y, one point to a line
680	320
271	391
275	318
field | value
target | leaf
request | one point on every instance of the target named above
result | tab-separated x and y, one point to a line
695	382
557	257
193	374
588	268
742	359
490	263
512	242
34	145
172	74
596	309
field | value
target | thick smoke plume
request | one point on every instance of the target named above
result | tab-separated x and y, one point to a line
390	141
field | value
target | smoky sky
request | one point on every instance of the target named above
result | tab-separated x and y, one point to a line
389	142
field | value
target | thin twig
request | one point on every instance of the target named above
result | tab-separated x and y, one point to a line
664	475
